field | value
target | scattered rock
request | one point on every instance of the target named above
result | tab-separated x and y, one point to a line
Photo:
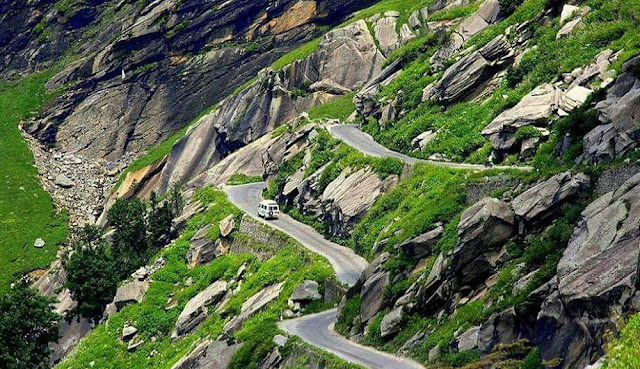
227	225
422	245
307	291
209	354
392	322
196	310
280	340
469	339
131	292
372	296
252	305
128	332
39	243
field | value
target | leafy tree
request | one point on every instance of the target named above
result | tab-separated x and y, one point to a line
160	220
130	241
91	276
27	325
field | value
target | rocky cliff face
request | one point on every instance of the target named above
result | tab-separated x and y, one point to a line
145	71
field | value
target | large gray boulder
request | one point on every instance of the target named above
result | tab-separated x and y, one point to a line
483	229
209	354
392	322
544	198
252	306
350	196
305	292
386	34
196	310
422	245
130	292
372	296
471	71
202	249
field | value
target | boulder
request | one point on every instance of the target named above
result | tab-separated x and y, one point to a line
131	292
307	291
392	322
209	354
196	310
227	225
63	181
544	198
385	32
39	243
350	196
468	340
280	340
423	139
483	229
202	249
568	11
253	305
422	245
372	296
501	328
128	332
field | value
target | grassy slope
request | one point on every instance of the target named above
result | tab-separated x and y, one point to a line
26	210
291	264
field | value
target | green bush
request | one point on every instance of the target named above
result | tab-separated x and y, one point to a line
507	7
90	272
130	242
28	325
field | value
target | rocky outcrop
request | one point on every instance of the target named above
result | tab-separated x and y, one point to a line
202	249
482	230
306	292
423	245
597	278
130	292
174	57
471	71
348	198
196	310
618	113
543	199
347	57
252	306
209	354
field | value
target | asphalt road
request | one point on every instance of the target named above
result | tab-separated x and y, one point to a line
346	263
315	329
354	137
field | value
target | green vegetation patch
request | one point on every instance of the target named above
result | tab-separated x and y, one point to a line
26	209
340	108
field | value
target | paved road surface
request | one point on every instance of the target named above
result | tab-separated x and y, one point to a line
354	137
315	330
347	264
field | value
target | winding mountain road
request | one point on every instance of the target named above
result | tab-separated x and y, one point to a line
317	329
354	137
347	264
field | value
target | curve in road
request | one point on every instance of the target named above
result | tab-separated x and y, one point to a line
347	264
315	329
354	137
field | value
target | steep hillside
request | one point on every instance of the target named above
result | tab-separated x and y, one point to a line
458	181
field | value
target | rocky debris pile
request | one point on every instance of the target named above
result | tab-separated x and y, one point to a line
544	104
618	132
75	183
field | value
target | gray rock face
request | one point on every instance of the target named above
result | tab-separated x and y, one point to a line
500	328
131	292
372	297
347	57
596	276
422	245
468	340
203	249
392	322
385	32
542	199
209	354
133	56
307	291
483	228
227	225
348	198
471	71
619	132
196	310
253	305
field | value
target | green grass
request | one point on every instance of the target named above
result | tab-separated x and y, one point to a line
241	179
340	108
26	209
623	352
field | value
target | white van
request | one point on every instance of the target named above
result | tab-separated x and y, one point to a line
268	209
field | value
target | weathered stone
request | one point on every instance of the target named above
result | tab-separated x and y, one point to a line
253	305
209	354
568	11
196	310
202	249
372	296
422	245
385	32
131	292
423	139
134	345
500	328
542	199
434	353
469	339
280	340
64	181
39	243
392	322
227	225
128	332
307	291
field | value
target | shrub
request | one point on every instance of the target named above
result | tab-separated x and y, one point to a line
28	325
130	241
507	7
90	272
